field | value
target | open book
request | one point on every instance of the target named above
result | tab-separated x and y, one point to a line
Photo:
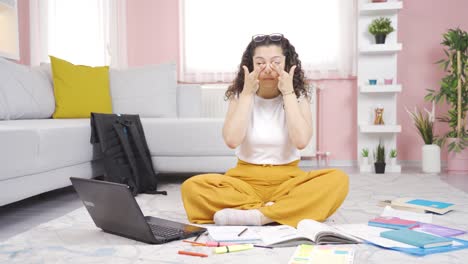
308	232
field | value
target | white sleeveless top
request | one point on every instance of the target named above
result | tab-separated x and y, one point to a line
267	139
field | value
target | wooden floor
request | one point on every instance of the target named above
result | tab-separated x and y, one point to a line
23	215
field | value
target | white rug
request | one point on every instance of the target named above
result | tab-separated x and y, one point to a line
74	238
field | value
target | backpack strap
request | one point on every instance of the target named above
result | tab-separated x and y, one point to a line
121	131
141	150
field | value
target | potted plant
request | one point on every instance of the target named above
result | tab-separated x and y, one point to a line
379	158
430	151
380	28
393	155
365	156
454	89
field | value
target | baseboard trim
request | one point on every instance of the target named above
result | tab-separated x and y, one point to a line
354	163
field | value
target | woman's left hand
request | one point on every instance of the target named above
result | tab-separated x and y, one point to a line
285	80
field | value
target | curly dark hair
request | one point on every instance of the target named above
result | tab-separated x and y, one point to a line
292	58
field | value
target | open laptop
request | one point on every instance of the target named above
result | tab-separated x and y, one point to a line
114	209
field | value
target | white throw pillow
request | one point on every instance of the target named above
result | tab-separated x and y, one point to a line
26	93
149	91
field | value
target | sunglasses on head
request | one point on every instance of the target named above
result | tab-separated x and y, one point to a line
272	37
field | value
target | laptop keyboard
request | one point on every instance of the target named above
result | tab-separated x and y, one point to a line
163	231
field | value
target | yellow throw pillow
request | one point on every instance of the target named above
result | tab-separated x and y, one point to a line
80	90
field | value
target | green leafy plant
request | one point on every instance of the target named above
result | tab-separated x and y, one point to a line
424	124
381	26
365	152
380	156
393	153
454	88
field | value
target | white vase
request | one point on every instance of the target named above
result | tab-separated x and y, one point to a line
365	161
392	161
431	158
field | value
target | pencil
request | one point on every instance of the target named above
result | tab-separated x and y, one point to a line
195	254
242	232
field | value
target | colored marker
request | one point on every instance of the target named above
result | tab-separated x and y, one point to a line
233	248
195	254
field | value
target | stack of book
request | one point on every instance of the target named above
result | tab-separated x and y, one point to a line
418	205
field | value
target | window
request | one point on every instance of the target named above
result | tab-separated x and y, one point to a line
88	32
78	31
215	34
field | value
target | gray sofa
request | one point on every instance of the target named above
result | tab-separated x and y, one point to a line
41	154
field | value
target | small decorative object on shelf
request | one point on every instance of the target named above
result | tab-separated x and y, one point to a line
393	155
378	119
379	158
365	156
372	81
379	1
388	81
380	28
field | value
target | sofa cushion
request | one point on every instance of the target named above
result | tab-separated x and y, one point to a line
185	137
34	146
25	92
80	90
149	91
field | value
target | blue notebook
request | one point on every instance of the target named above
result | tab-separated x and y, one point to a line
417	239
433	204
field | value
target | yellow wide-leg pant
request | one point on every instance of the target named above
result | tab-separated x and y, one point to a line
296	194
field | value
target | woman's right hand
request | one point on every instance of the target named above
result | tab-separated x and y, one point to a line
251	83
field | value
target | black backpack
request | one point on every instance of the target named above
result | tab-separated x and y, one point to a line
127	160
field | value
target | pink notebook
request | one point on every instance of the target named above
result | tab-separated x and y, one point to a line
392	222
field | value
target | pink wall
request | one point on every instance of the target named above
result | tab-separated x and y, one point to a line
153	31
337	129
153	37
23	17
421	26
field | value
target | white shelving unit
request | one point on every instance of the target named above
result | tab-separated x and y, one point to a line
380	48
378	62
380	88
9	36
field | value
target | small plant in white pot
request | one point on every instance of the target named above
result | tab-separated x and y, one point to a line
430	150
365	156
393	156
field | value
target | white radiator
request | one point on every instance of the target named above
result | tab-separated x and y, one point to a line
214	106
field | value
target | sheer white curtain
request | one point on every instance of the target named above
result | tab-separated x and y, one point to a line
215	34
89	32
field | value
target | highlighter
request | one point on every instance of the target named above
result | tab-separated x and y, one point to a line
218	244
233	248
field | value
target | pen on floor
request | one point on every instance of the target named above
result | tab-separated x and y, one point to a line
198	236
263	246
242	232
190	253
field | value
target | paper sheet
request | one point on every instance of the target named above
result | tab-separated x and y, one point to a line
230	234
372	234
424	218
